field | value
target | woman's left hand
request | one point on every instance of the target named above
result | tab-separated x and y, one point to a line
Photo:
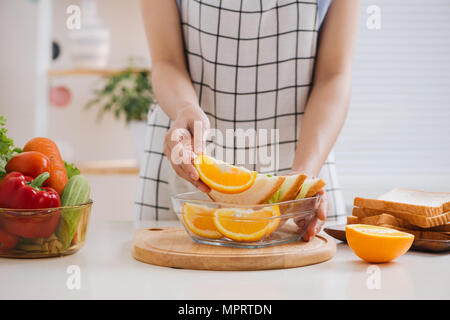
319	220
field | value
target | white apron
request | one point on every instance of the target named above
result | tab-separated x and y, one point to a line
251	63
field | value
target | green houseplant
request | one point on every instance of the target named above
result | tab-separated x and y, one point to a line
127	95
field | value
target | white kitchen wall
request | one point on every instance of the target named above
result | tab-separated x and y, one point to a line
397	132
17	67
83	137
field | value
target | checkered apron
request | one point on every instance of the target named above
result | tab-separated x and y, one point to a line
251	63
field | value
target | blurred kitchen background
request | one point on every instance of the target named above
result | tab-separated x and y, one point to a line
397	133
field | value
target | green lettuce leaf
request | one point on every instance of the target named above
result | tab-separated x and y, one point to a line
7	150
71	170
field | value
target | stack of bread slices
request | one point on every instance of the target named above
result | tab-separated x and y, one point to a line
426	215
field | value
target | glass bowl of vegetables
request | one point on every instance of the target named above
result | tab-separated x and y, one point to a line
44	202
36	222
40	233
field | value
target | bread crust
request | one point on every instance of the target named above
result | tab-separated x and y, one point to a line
275	188
292	193
383	221
316	187
413	219
427	211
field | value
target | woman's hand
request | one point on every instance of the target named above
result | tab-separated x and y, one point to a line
319	220
186	138
322	211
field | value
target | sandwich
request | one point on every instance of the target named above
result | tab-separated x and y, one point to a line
310	188
238	185
261	191
289	189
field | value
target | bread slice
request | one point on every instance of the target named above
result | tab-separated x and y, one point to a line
416	220
386	219
442	228
421	203
310	187
261	191
422	235
418	234
289	189
352	220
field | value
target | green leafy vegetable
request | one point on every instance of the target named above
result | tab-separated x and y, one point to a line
71	170
76	192
7	150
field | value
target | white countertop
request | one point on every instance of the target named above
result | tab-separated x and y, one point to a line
108	271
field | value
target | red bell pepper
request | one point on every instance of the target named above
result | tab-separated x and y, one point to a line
20	192
7	240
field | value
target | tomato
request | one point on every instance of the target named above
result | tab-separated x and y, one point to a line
7	241
36	226
29	163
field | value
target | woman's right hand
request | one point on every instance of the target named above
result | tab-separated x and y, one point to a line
184	140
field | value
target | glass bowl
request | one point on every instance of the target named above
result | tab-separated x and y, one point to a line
40	233
244	226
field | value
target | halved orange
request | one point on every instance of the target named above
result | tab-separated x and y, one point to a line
223	177
246	224
199	219
377	244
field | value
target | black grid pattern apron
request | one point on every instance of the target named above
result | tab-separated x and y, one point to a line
251	63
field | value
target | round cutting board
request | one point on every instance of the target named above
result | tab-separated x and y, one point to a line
172	247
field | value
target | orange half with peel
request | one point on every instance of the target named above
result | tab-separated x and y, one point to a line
246	224
377	244
223	177
199	219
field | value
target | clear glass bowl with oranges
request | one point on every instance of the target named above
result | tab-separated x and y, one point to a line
244	226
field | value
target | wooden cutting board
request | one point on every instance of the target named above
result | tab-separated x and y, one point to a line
172	247
427	245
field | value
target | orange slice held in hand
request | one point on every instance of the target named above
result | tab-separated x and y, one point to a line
223	177
246	224
199	219
377	244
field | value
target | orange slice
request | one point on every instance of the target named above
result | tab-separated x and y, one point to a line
377	244
223	177
246	224
199	219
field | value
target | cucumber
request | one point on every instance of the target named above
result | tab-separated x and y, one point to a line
77	191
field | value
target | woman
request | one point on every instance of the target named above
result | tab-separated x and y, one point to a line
230	64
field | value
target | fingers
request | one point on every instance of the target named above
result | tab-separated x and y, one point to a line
315	226
313	229
178	149
322	211
185	175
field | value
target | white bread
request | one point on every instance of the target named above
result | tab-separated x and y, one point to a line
421	203
260	192
310	187
289	189
384	221
414	219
